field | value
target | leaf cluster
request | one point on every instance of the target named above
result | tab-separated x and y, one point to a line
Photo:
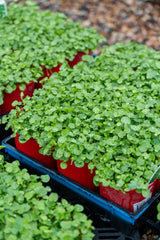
29	210
30	38
104	112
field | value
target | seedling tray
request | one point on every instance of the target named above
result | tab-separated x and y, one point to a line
103	229
123	220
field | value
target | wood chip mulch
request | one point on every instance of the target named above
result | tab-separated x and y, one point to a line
118	21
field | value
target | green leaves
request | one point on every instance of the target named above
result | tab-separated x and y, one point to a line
61	140
144	145
31	38
158	209
145	193
125	120
45	178
152	74
29	211
101	112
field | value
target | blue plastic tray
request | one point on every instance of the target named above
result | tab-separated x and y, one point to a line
122	218
103	230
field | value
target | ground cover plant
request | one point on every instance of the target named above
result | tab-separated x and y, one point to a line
31	39
29	210
104	112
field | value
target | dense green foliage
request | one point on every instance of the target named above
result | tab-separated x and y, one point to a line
29	211
30	38
105	113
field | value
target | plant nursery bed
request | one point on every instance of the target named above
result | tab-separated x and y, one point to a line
108	213
103	229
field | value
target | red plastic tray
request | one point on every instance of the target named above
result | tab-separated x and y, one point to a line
9	98
80	175
130	200
31	148
49	72
78	58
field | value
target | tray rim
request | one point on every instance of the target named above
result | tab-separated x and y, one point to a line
87	194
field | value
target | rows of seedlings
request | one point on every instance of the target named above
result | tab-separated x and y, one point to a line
36	43
104	224
30	210
102	116
94	121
